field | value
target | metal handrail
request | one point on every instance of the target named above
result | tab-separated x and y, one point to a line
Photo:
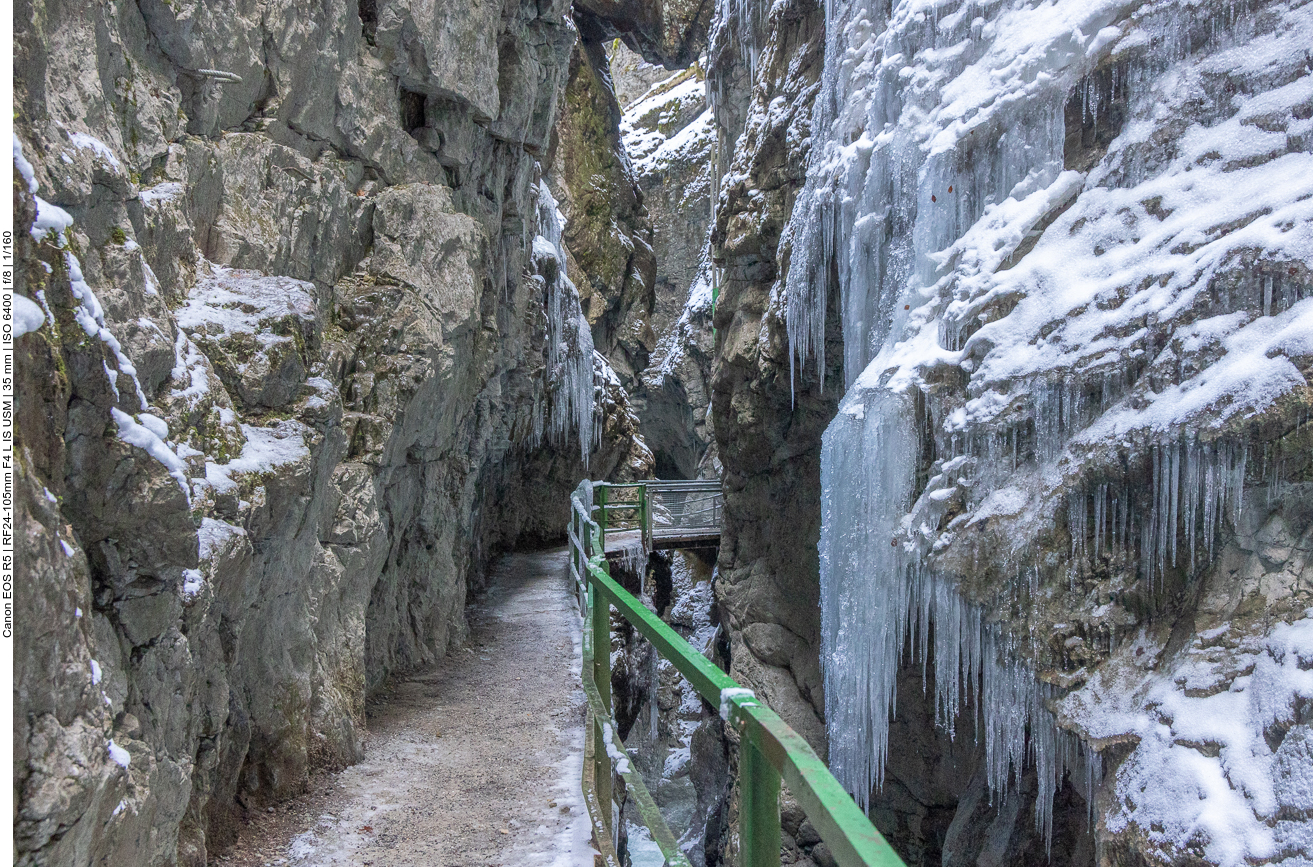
768	748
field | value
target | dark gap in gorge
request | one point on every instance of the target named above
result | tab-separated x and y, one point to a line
368	10
414	108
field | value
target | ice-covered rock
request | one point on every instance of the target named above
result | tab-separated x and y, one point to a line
1056	255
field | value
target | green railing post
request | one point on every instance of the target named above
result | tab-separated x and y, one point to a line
759	808
642	514
601	515
647	528
600	610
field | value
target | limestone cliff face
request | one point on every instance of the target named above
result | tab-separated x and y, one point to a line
634	169
767	442
608	231
285	394
670	138
767	435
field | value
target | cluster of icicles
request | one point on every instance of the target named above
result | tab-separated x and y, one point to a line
569	404
1195	485
866	217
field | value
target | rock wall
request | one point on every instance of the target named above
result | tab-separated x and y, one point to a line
669	136
767	418
767	435
1158	665
281	388
608	231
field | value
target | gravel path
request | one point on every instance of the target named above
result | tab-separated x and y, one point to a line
474	762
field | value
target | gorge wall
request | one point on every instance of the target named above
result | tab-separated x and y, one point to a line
298	353
1053	258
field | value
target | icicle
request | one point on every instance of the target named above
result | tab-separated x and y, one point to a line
1191	498
864	588
1076	515
570	362
1093	767
1174	495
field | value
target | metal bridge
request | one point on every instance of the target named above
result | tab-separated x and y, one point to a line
662	514
768	749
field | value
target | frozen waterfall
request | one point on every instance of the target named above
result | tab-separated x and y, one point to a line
570	356
974	249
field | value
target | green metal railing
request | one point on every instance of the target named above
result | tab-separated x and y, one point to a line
768	748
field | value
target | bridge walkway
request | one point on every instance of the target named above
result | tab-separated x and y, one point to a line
663	514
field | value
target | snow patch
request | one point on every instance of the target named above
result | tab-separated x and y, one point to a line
118	755
214	535
28	316
24	167
193	582
96	146
153	197
135	434
266	449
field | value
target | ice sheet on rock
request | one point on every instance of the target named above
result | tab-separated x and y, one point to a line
938	195
569	405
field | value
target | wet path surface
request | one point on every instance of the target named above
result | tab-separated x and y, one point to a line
473	762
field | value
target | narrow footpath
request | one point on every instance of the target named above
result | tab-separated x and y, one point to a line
474	762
